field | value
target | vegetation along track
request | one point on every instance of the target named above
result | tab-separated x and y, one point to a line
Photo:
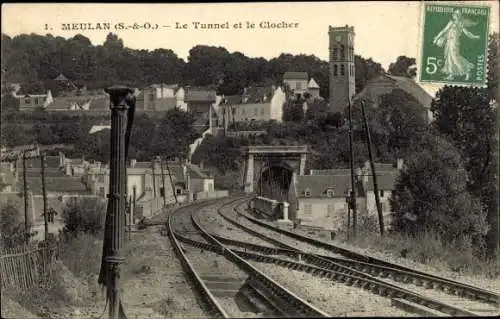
285	302
399	279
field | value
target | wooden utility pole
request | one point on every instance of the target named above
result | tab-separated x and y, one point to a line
171	182
122	108
154	179
353	178
26	202
374	173
134	205
44	193
163	182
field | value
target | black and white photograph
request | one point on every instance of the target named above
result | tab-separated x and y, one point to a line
250	160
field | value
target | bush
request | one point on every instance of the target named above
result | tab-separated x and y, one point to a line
11	228
85	215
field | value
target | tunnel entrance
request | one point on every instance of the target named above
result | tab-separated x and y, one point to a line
275	182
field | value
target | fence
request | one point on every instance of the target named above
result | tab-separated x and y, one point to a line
24	267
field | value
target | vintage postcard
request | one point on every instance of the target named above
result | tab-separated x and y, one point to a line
249	160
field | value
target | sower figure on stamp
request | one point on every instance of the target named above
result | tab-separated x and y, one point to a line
454	63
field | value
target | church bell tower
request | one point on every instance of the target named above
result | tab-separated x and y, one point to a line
341	73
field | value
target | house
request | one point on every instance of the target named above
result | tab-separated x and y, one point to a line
386	83
200	101
321	200
29	102
163	97
59	189
259	104
201	180
313	89
387	175
296	81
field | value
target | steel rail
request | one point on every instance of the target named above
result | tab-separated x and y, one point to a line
215	308
377	266
340	274
300	306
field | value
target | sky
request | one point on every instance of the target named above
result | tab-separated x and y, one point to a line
384	30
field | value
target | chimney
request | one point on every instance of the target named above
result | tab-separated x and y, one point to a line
67	169
133	162
399	163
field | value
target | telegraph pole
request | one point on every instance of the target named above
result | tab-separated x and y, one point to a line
154	179
171	182
374	174
44	192
163	182
25	190
353	178
122	107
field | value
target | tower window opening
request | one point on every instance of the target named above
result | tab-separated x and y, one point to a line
342	69
335	70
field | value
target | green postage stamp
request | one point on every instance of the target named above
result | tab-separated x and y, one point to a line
454	47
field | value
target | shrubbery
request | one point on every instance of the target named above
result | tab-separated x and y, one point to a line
12	229
84	215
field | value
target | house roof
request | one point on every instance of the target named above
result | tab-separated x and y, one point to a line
406	84
50	162
319	184
257	94
296	76
232	99
62	184
97	128
196	172
61	77
200	95
385	181
333	171
312	84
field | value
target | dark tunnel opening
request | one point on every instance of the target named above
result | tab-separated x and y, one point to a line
275	183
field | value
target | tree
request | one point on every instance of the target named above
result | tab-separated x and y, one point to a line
404	66
174	135
366	69
84	215
431	195
293	110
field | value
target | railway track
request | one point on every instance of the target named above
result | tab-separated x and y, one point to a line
397	278
258	288
378	267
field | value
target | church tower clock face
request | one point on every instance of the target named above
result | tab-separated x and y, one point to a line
338	38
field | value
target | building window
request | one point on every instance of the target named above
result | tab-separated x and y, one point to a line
162	192
151	97
262	111
308	209
101	191
255	112
307	193
383	206
27	101
100	178
342	52
342	69
335	70
330	193
335	53
298	85
381	193
178	191
36	101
